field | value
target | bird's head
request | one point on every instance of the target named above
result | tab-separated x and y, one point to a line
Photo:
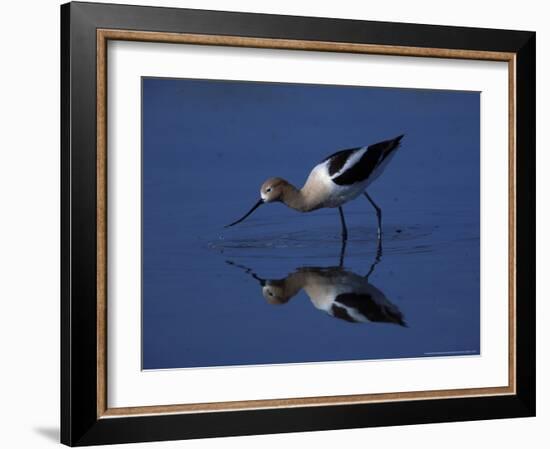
280	291
276	292
272	190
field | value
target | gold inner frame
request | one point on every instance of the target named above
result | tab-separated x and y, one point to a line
104	35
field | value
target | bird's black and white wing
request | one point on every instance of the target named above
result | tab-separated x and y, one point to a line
356	165
362	306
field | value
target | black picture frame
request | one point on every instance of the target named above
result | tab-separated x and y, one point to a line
80	424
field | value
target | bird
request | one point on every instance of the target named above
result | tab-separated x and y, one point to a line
336	180
336	291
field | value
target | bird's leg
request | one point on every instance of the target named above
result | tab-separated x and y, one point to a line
344	236
343	221
342	253
376	261
379	217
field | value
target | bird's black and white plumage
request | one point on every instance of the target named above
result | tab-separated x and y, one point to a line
344	175
339	178
338	292
360	307
355	165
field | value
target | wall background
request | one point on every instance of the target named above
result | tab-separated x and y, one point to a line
29	224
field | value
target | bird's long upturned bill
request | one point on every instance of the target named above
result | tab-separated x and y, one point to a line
258	204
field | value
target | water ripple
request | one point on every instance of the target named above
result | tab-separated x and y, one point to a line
323	242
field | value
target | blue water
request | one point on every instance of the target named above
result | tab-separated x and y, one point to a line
207	148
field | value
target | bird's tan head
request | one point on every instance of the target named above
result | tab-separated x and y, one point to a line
280	291
275	292
273	189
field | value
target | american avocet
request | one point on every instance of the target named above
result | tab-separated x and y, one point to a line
339	178
338	292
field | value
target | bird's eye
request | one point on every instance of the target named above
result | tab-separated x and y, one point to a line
268	190
270	294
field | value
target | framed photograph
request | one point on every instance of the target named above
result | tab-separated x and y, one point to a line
281	224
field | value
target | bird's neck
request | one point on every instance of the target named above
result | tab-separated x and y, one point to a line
295	199
288	287
294	282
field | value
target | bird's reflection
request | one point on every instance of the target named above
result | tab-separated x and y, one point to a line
334	290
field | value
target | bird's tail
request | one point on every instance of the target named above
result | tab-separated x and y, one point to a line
389	146
396	142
